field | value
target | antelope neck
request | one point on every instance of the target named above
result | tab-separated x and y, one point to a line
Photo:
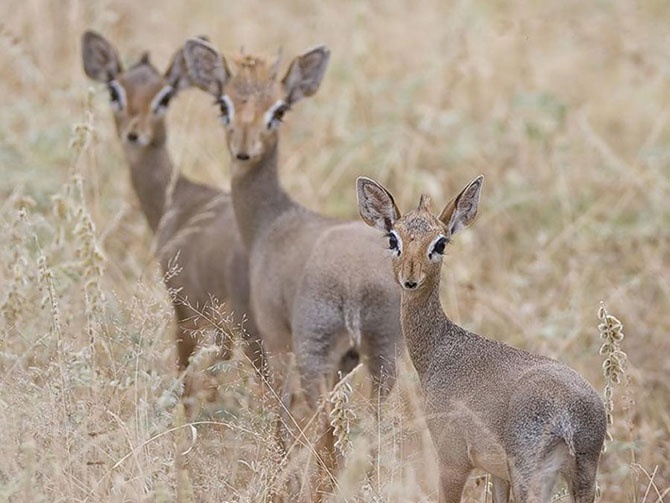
424	325
150	171
258	197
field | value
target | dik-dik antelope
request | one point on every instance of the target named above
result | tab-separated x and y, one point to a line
193	223
319	286
523	418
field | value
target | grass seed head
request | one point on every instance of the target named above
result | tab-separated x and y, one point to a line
614	363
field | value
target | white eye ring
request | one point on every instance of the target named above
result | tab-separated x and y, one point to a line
227	116
397	251
271	121
116	88
156	106
432	254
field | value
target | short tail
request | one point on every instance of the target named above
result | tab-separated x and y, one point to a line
352	322
569	440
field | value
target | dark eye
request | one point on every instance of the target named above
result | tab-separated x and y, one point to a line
278	114
165	100
161	101
117	95
114	94
226	109
393	242
439	245
275	115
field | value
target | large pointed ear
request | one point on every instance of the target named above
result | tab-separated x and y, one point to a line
207	69
177	75
462	210
101	62
305	74
376	204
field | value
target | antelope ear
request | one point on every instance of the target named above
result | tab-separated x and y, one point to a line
177	75
101	62
304	76
462	209
207	69
376	204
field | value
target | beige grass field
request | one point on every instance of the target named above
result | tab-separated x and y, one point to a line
564	106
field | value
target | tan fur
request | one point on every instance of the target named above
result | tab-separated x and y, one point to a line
521	417
315	281
194	223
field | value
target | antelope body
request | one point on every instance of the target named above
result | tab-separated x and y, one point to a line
319	286
194	224
523	418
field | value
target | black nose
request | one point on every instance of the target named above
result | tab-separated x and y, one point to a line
410	284
132	136
242	156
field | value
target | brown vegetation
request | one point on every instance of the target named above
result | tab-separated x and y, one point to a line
563	106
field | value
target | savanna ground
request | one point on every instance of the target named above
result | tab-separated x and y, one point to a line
564	106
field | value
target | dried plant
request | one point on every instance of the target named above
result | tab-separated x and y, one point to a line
76	263
341	414
614	363
19	274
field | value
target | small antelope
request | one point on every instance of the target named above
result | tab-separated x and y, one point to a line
524	418
319	286
193	223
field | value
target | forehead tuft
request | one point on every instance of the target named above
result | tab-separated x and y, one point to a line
254	76
143	74
419	222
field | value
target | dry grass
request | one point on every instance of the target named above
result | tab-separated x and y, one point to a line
563	105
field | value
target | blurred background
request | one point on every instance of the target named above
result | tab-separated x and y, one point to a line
562	105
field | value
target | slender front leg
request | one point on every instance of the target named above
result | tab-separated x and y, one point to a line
185	346
500	490
325	449
452	482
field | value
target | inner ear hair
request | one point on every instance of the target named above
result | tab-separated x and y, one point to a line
305	74
376	205
445	214
207	68
176	74
101	62
462	209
